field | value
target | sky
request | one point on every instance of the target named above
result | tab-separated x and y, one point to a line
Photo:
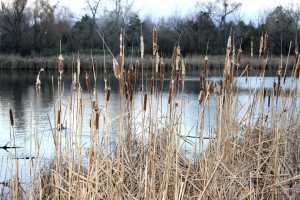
163	8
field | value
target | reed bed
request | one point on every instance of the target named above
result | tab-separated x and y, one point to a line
251	151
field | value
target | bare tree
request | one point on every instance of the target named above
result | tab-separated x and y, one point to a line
93	7
14	23
218	10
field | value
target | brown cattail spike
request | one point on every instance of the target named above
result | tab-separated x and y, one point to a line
97	120
145	102
162	69
108	94
60	64
205	65
136	70
170	94
11	117
142	46
116	68
239	57
154	38
88	84
265	46
152	85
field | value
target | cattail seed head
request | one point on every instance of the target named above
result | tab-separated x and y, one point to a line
156	62
38	85
176	103
136	70
108	94
58	117
145	102
11	117
152	85
162	69
177	57
78	69
261	43
74	81
60	64
170	94
239	56
116	68
97	120
142	46
205	65
201	97
265	46
88	84
154	39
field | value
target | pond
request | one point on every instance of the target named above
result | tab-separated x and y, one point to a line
17	92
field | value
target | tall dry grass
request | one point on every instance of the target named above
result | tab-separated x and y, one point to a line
251	153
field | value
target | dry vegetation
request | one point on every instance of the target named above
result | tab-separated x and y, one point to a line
252	154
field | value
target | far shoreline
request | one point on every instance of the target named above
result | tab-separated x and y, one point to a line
15	62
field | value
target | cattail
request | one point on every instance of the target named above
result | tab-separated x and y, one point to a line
145	102
296	65
174	57
162	69
176	103
274	84
116	68
265	93
154	39
156	62
136	70
78	69
177	57
265	46
126	90
88	84
251	48
205	65
58	117
74	81
11	117
269	100
97	120
221	85
38	84
152	85
60	64
142	46
130	75
201	97
239	57
108	94
182	68
279	77
105	76
177	79
261	43
170	94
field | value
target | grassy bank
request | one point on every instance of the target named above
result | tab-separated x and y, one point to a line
252	150
215	62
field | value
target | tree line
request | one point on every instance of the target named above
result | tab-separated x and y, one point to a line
35	30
